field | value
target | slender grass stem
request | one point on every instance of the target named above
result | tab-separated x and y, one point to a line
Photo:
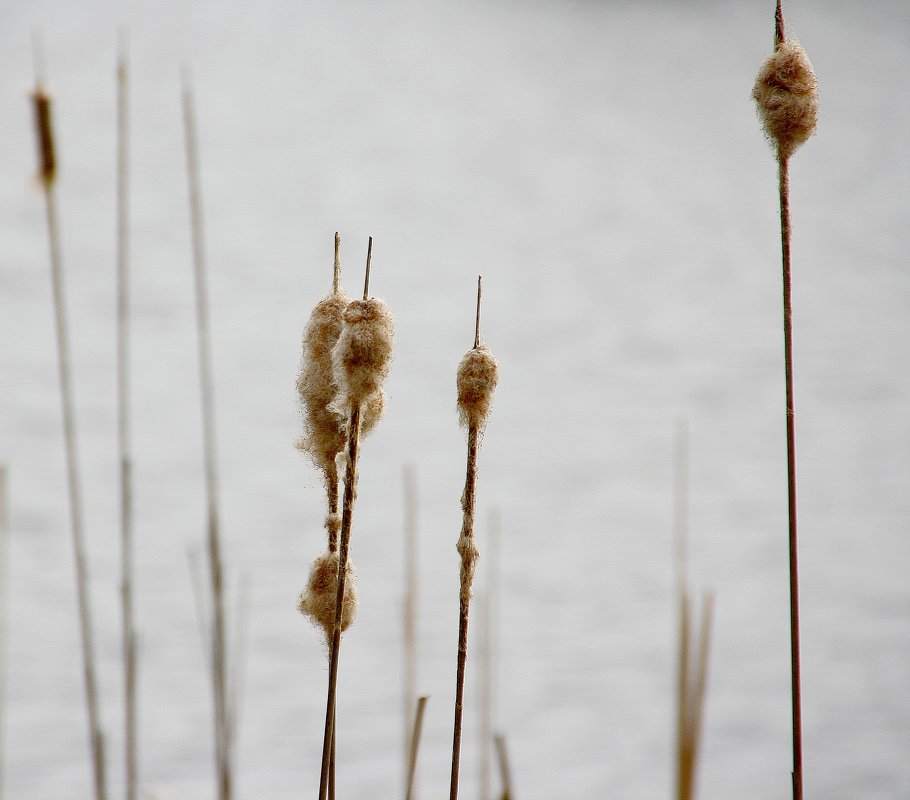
4	614
47	173
414	740
502	756
131	721
206	383
409	612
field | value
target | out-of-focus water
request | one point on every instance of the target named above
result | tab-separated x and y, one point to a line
601	164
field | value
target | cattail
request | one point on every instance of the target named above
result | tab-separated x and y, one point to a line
317	601
44	133
360	359
324	434
477	377
787	96
363	354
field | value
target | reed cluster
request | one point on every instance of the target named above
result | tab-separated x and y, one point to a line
347	350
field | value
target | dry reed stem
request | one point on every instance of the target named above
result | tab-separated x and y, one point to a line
786	92
414	746
131	716
409	611
4	613
206	384
47	174
502	757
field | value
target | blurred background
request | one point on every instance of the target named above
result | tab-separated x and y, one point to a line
601	164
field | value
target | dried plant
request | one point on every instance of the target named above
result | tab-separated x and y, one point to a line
478	374
47	173
786	92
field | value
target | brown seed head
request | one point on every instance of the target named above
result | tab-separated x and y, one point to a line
44	132
317	601
477	377
786	92
363	353
324	435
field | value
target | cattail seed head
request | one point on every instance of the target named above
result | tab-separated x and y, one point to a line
786	92
324	435
363	353
44	132
317	601
477	377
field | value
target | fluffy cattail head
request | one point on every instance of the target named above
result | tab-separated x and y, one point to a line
787	96
477	377
324	435
363	353
317	601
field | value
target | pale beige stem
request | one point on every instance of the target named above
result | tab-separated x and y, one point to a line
414	738
206	384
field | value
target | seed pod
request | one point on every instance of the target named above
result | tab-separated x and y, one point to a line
44	131
324	435
317	601
477	377
786	92
363	353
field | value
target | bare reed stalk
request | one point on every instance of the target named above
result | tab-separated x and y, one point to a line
414	745
4	614
131	721
361	359
691	677
46	174
409	614
477	376
786	92
206	382
505	772
488	609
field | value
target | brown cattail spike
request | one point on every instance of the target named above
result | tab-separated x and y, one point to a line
318	600
786	92
477	377
44	130
363	353
324	436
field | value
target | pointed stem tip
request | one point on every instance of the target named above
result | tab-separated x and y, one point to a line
366	279
336	273
779	34
477	318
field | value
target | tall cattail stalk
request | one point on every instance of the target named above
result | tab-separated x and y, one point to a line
361	360
4	614
477	377
409	614
131	721
786	92
323	440
218	664
47	173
